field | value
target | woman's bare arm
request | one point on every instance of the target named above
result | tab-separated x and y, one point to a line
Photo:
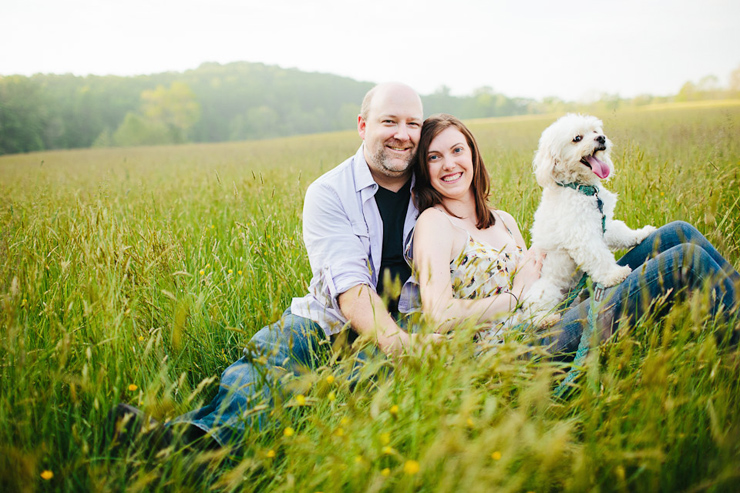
529	269
433	245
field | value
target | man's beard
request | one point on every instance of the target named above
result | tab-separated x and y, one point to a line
384	163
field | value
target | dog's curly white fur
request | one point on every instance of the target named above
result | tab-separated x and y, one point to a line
568	224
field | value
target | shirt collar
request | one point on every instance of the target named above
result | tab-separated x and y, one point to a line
363	177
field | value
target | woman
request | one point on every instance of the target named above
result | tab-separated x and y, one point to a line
472	263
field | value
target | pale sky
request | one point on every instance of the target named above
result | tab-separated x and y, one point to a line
571	49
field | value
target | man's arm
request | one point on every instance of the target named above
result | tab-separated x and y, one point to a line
340	253
369	317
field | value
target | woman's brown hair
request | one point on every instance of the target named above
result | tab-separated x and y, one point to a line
425	196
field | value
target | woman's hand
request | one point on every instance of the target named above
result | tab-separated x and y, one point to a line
528	271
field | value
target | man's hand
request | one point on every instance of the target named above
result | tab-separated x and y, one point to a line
369	317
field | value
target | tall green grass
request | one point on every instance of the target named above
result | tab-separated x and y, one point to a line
138	275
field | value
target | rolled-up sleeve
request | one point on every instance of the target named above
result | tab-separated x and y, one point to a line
337	242
343	233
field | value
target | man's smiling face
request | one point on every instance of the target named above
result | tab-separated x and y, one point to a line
391	133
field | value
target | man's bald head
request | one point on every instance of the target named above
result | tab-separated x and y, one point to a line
390	125
382	90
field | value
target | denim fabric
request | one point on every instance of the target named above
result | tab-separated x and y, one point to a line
274	351
674	257
670	263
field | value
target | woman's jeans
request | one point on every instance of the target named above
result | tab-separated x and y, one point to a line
669	264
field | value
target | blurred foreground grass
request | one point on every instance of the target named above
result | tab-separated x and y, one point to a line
137	275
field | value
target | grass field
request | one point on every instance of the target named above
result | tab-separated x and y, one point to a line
137	275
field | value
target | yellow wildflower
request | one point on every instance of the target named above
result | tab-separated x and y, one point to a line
339	432
332	396
411	467
470	423
496	455
300	400
330	379
202	272
388	450
132	387
231	271
386	472
239	272
47	475
385	438
270	454
288	432
394	410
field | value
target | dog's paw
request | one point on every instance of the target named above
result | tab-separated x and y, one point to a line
644	232
614	276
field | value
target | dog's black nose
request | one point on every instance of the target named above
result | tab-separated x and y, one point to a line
601	139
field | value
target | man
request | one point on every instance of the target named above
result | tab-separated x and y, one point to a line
356	220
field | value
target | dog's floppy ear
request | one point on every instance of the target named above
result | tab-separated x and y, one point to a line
544	163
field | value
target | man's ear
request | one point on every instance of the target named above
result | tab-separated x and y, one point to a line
361	126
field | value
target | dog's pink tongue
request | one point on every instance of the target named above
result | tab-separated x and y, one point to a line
598	167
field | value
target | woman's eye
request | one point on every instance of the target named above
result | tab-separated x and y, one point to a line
431	158
577	138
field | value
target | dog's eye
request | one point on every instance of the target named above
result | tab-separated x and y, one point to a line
577	138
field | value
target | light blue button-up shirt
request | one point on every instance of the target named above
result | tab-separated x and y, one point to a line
343	233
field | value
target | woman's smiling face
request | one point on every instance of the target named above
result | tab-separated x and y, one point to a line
450	163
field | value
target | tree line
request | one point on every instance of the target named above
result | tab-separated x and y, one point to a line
235	101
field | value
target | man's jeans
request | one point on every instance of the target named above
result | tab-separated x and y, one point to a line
274	351
670	263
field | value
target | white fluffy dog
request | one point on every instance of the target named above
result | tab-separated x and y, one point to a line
574	223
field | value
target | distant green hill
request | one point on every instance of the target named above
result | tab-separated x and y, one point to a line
236	101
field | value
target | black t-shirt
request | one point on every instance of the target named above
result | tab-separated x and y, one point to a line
393	207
